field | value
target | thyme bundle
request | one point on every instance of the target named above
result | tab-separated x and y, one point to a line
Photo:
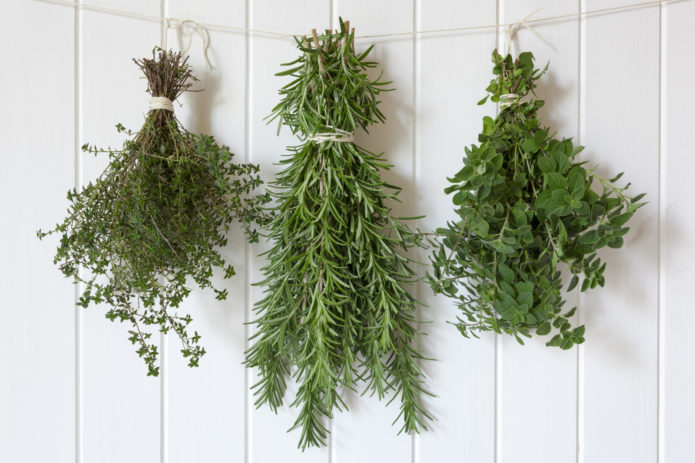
525	204
336	309
156	217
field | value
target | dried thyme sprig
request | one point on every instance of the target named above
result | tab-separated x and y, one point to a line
155	219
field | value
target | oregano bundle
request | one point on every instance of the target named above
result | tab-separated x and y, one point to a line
336	309
525	204
154	220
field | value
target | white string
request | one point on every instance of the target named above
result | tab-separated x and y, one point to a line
508	99
284	35
513	29
338	136
161	102
188	27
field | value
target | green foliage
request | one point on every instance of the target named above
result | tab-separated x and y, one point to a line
336	308
524	205
155	218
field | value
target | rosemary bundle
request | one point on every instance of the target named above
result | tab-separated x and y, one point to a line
156	216
525	204
336	309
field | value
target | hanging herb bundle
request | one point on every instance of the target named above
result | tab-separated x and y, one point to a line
156	217
336	309
525	204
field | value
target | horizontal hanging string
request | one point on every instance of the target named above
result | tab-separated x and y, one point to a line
284	35
161	102
338	136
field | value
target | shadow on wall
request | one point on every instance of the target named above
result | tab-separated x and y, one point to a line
203	103
553	94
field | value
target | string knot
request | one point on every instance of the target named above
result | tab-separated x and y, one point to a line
188	27
161	102
338	136
513	29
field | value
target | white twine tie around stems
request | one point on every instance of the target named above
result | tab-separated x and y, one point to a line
338	136
508	99
161	102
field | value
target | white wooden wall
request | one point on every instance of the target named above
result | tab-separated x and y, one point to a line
71	387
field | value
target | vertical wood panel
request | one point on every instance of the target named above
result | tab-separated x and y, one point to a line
677	225
269	440
539	383
621	132
206	405
366	432
455	69
37	350
121	404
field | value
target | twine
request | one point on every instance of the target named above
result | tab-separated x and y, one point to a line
284	35
189	27
161	102
508	99
513	29
338	136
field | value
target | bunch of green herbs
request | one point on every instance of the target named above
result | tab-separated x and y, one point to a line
525	204
155	219
336	309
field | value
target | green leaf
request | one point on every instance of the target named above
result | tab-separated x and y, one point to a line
488	125
562	161
621	219
506	272
616	178
546	164
573	283
543	329
576	184
529	145
555	180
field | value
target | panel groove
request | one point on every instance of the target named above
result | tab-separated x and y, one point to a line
661	339
79	324
499	19
581	87
331	444
163	349
248	157
415	438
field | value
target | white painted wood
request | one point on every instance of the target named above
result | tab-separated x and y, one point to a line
539	383
595	406
678	369
269	440
454	70
205	419
121	404
621	132
37	331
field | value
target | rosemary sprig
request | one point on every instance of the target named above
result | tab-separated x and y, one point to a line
336	309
